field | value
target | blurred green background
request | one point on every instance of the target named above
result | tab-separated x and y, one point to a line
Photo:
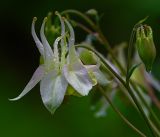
19	58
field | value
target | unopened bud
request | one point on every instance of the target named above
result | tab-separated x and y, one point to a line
92	12
145	46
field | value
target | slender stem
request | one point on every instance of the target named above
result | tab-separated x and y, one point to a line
107	46
83	16
130	48
100	35
140	109
120	114
125	85
128	66
83	27
155	129
156	120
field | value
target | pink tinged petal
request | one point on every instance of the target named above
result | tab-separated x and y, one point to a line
47	48
100	77
36	39
37	76
78	77
53	88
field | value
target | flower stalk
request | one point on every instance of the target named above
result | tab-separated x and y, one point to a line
119	113
125	85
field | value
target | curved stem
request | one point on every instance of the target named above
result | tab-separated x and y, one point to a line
130	48
125	85
100	35
119	113
106	44
141	110
156	120
83	16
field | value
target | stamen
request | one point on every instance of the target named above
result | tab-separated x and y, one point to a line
56	53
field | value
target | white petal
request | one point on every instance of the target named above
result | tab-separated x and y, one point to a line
36	39
47	48
52	88
75	73
72	36
78	77
37	76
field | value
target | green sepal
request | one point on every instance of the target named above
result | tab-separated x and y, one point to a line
41	60
87	57
71	92
131	70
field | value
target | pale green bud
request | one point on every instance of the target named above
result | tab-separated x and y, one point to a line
145	46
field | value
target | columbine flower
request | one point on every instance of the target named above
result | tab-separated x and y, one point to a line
53	85
57	71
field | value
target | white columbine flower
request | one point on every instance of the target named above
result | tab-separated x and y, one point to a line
57	71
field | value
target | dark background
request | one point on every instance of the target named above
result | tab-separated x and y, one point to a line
19	58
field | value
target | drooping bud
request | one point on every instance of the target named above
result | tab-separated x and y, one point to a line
92	12
145	46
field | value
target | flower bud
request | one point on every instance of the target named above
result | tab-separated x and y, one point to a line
92	12
145	46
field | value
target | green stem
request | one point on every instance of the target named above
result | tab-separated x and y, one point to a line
125	85
119	113
100	35
140	109
83	16
155	129
107	46
155	118
130	48
128	66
